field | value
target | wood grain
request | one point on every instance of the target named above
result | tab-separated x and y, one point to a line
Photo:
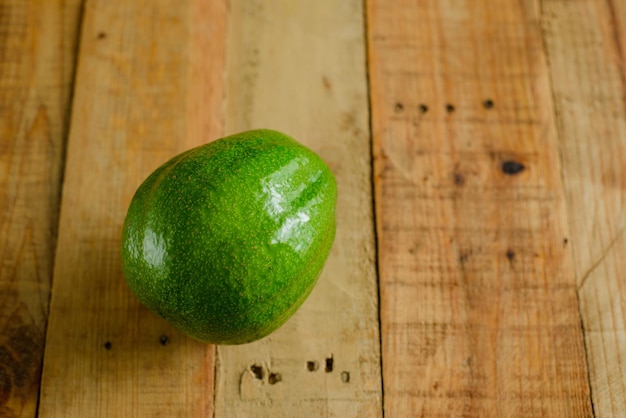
149	85
299	67
479	310
37	52
586	42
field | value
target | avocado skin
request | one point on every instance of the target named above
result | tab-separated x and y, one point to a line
226	241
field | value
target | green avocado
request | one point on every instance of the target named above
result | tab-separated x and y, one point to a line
227	240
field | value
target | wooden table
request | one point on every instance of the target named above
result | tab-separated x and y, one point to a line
479	147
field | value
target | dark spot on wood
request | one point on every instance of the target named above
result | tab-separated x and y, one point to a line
102	35
329	364
565	241
257	371
423	108
312	365
450	108
326	83
435	386
5	385
21	348
274	378
488	104
512	168
398	108
510	254
164	339
108	345
459	179
345	377
348	121
463	257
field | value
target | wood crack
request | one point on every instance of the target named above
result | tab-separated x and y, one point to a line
602	257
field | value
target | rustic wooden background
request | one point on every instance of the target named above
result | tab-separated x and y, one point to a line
479	147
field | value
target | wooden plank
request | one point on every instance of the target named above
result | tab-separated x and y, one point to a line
299	67
585	42
479	312
37	52
149	85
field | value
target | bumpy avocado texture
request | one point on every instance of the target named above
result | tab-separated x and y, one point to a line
227	240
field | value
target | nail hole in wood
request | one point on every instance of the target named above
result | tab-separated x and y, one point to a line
399	107
488	104
164	339
329	364
312	365
102	35
257	371
345	377
108	345
423	108
510	254
274	378
450	108
512	167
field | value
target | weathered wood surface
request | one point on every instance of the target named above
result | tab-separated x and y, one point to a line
148	86
500	287
585	42
298	67
37	52
479	311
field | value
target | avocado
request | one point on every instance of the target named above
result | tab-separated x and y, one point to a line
225	241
